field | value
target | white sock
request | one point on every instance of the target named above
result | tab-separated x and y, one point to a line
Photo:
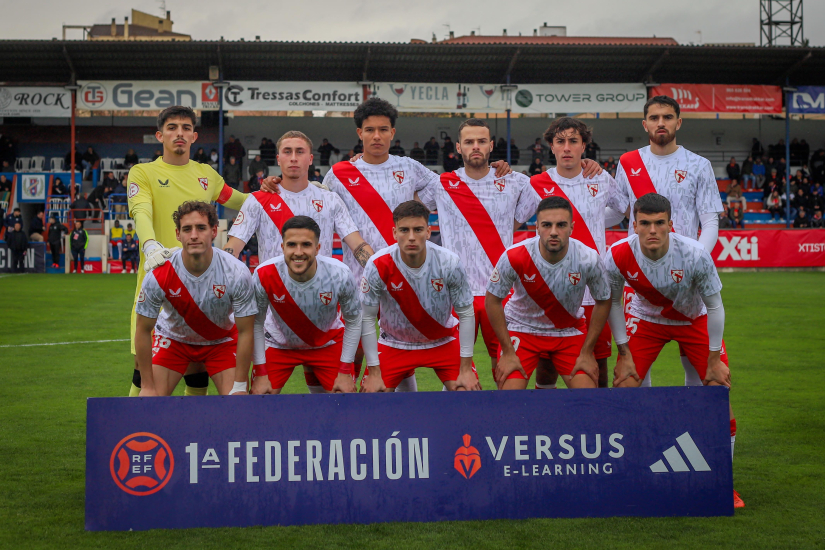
691	376
316	389
408	384
646	383
444	388
732	442
545	386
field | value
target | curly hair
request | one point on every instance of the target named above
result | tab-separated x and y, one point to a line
562	124
375	106
195	206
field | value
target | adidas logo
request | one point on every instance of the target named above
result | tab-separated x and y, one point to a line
635	172
632	276
398	286
275	207
675	461
175	293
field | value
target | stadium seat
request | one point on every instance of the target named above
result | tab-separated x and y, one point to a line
107	164
56	164
37	164
144	160
22	164
119	163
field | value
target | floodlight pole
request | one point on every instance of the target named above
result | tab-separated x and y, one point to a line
788	98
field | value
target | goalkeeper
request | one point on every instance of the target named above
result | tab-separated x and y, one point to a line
155	191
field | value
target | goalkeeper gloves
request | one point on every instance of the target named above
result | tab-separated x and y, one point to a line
156	255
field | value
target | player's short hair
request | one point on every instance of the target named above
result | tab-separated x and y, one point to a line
410	209
301	222
562	124
651	203
176	111
663	100
475	123
293	134
554	203
196	206
375	106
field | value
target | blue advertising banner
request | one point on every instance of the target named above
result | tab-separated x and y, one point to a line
808	99
181	462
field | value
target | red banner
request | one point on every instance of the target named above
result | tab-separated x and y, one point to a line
723	98
762	247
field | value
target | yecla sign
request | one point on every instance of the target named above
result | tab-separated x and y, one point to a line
35	101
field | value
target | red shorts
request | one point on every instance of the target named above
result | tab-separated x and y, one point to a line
398	364
176	356
487	332
280	363
562	350
647	340
603	347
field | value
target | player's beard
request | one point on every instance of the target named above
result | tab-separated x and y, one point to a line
476	162
662	139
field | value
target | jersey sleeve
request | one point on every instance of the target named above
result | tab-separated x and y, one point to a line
331	181
150	297
343	221
244	302
458	285
247	221
347	297
261	299
614	275
372	286
527	201
706	278
502	278
428	194
621	196
597	281
708	199
139	190
614	200
424	177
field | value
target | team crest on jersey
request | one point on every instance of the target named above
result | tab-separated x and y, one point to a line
530	278
499	183
680	175
495	276
677	274
141	297
317	204
219	290
438	284
635	172
204	182
238	219
593	188
365	285
134	189
574	278
326	298
398	175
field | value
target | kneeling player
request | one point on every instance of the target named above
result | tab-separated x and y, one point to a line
545	316
677	298
301	292
199	288
417	284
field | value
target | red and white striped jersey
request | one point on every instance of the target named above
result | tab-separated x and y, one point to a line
416	304
197	310
265	213
304	315
371	192
547	299
669	290
476	217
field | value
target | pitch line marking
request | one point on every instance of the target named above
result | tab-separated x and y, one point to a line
63	343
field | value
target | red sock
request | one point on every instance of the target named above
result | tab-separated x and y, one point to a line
733	427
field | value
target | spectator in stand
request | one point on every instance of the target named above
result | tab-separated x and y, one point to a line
56	233
736	212
89	160
747	178
130	231
109	182
36	227
448	147
130	253
800	199
591	151
249	250
610	166
119	198
232	173
397	150
268	151
733	170
99	195
200	156
781	168
18	245
5	184
234	148
818	165
258	165
130	159
451	162
774	206
431	151
537	150
326	149
79	240
801	219
255	181
359	148
734	192
515	154
6	167
8	151
816	221
724	218
116	234
757	151
817	190
536	167
804	151
758	173
12	219
81	207
316	176
417	153
214	160
157	154
60	188
500	150
349	155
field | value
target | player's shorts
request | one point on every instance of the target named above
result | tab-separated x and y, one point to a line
487	332
141	274
398	364
176	356
280	363
562	350
647	340
603	348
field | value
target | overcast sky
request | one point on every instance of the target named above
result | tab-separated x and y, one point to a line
365	21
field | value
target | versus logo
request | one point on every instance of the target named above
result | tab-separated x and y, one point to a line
142	464
467	459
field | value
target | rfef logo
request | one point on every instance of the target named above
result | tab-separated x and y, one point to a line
142	464
467	459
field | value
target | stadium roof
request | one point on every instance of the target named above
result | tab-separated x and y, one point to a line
55	61
603	40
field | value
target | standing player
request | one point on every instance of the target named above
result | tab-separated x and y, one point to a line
156	190
568	137
684	178
303	291
417	284
199	289
545	316
677	299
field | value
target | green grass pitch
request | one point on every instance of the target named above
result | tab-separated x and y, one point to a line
774	335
